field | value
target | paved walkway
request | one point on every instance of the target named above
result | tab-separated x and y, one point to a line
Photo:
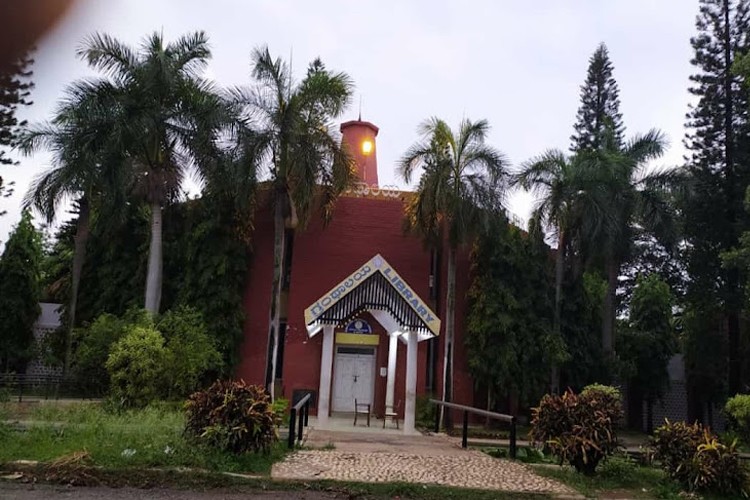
367	455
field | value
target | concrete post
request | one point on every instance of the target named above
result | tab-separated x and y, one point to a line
326	369
410	409
391	380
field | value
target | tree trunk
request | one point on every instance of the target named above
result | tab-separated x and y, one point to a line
635	408
489	406
154	274
79	256
450	309
610	307
650	416
557	325
279	241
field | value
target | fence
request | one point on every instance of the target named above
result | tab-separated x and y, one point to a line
47	386
298	417
469	409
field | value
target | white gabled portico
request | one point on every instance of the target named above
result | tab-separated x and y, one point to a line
377	288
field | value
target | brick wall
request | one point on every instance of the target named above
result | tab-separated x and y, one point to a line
324	255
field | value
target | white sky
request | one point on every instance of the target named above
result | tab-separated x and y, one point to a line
518	64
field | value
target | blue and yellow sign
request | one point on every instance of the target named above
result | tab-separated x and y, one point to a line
375	265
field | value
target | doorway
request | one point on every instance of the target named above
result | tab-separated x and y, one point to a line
353	377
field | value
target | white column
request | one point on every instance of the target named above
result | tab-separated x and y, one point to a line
326	367
390	387
411	383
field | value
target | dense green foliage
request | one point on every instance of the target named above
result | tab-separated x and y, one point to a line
578	428
737	410
15	89
509	339
138	358
136	366
190	353
695	457
649	341
600	104
206	262
93	345
580	323
233	416
719	171
20	269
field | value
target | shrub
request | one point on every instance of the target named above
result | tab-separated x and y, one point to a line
191	353
674	444
279	408
716	467
737	411
136	366
232	416
692	455
93	345
578	429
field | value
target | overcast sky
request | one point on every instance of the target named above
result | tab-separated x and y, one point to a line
519	64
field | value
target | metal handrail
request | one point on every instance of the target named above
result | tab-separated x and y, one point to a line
303	409
477	411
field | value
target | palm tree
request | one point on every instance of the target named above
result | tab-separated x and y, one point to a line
294	138
566	189
634	200
165	122
461	188
76	136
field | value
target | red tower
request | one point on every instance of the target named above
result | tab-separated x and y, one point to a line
359	138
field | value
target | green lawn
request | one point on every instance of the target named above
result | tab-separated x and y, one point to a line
152	437
620	477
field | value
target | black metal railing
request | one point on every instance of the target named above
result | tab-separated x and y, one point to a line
298	417
20	385
477	411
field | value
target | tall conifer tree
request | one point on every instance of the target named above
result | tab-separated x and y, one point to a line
15	88
20	269
600	104
719	166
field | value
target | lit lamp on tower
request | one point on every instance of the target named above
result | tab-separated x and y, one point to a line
359	138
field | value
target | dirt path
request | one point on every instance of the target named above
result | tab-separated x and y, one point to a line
43	492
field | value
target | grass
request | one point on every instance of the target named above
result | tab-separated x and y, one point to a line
620	475
152	437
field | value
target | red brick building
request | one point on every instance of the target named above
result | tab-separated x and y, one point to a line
362	304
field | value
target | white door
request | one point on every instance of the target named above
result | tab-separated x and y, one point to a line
353	377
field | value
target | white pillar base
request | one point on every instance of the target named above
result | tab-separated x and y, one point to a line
326	369
391	380
410	408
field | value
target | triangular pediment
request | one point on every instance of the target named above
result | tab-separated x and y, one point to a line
374	286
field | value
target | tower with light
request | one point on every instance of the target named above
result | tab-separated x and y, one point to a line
359	138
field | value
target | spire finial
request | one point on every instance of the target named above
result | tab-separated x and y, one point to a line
360	108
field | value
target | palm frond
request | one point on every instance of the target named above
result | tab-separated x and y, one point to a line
107	54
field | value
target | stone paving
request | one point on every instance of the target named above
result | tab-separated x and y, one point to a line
419	459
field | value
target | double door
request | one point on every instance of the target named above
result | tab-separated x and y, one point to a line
353	377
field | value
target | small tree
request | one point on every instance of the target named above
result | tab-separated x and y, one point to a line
191	353
649	341
136	366
93	345
20	269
